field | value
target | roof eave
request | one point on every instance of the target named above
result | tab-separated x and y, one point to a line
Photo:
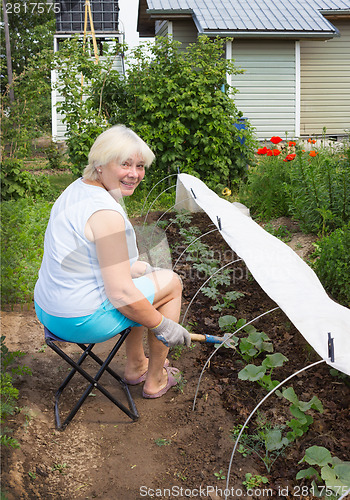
335	12
271	34
168	12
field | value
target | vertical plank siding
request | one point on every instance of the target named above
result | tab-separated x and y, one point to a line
325	83
185	32
267	88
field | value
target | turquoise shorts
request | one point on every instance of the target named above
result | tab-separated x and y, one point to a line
102	325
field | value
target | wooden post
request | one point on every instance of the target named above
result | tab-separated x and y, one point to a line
8	52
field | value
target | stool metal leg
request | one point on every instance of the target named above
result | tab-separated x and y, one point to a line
76	367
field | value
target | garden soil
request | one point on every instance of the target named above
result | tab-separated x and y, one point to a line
172	451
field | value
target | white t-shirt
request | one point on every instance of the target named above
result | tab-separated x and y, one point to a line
70	282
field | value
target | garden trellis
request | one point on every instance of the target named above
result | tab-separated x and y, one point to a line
280	272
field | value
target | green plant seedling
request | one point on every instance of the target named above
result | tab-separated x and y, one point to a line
234	433
281	232
211	292
181	218
332	476
301	423
162	442
228	301
254	481
262	374
181	476
8	393
340	375
32	475
59	467
228	323
254	344
177	351
220	475
181	381
267	442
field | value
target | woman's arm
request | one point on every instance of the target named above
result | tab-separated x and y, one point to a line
107	229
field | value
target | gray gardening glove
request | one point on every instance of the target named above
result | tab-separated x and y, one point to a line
171	333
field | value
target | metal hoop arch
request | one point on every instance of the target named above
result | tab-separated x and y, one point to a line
198	238
222	343
167	177
206	281
255	409
153	202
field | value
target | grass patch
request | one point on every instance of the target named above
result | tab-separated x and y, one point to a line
60	181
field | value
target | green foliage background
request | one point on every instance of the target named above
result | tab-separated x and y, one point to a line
176	100
313	190
31	40
180	104
333	264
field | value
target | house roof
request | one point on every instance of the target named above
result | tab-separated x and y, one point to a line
282	18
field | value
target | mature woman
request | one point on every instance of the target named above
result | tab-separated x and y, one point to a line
91	284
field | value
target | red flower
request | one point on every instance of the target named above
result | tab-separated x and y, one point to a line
313	141
276	152
262	151
290	157
275	139
313	153
292	143
269	152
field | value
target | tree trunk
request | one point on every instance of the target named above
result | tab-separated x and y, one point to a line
8	52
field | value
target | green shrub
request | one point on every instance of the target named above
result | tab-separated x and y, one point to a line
333	264
54	156
311	186
319	189
17	183
8	393
264	192
22	241
180	104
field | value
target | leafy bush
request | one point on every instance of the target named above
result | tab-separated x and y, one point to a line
264	191
180	104
22	240
17	183
80	109
54	156
333	264
313	186
8	393
319	189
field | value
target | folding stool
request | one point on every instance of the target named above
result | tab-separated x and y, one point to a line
51	340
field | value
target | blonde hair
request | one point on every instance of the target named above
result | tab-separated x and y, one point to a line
117	143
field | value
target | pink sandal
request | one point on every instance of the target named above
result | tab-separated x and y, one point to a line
172	381
143	377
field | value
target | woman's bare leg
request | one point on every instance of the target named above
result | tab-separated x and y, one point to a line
137	363
167	300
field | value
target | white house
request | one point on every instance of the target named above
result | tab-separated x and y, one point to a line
70	20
